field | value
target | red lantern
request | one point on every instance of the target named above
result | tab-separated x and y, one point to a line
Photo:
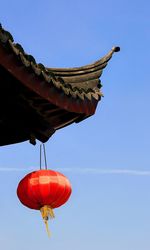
44	190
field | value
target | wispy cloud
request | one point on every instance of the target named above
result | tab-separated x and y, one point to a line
96	171
16	169
99	171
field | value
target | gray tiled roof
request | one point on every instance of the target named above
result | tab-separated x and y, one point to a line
82	82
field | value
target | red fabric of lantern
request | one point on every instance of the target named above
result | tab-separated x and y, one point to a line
44	190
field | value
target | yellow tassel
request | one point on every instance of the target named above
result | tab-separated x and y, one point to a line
47	212
47	228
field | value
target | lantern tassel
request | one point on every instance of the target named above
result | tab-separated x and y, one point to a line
47	212
47	228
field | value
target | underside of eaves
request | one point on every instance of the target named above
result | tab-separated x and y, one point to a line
36	100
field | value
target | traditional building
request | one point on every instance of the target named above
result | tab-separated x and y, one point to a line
35	101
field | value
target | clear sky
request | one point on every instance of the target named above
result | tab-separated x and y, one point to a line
106	157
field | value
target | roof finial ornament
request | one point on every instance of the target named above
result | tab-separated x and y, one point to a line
116	49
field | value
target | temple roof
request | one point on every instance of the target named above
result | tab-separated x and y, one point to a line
56	96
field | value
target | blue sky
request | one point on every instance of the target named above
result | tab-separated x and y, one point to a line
106	157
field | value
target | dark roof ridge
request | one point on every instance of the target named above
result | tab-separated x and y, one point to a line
90	66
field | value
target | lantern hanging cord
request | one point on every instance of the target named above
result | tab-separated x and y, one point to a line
45	156
40	156
44	151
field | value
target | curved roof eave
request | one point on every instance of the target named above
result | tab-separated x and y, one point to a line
75	89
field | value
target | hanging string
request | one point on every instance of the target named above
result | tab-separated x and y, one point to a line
45	160
45	156
40	156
